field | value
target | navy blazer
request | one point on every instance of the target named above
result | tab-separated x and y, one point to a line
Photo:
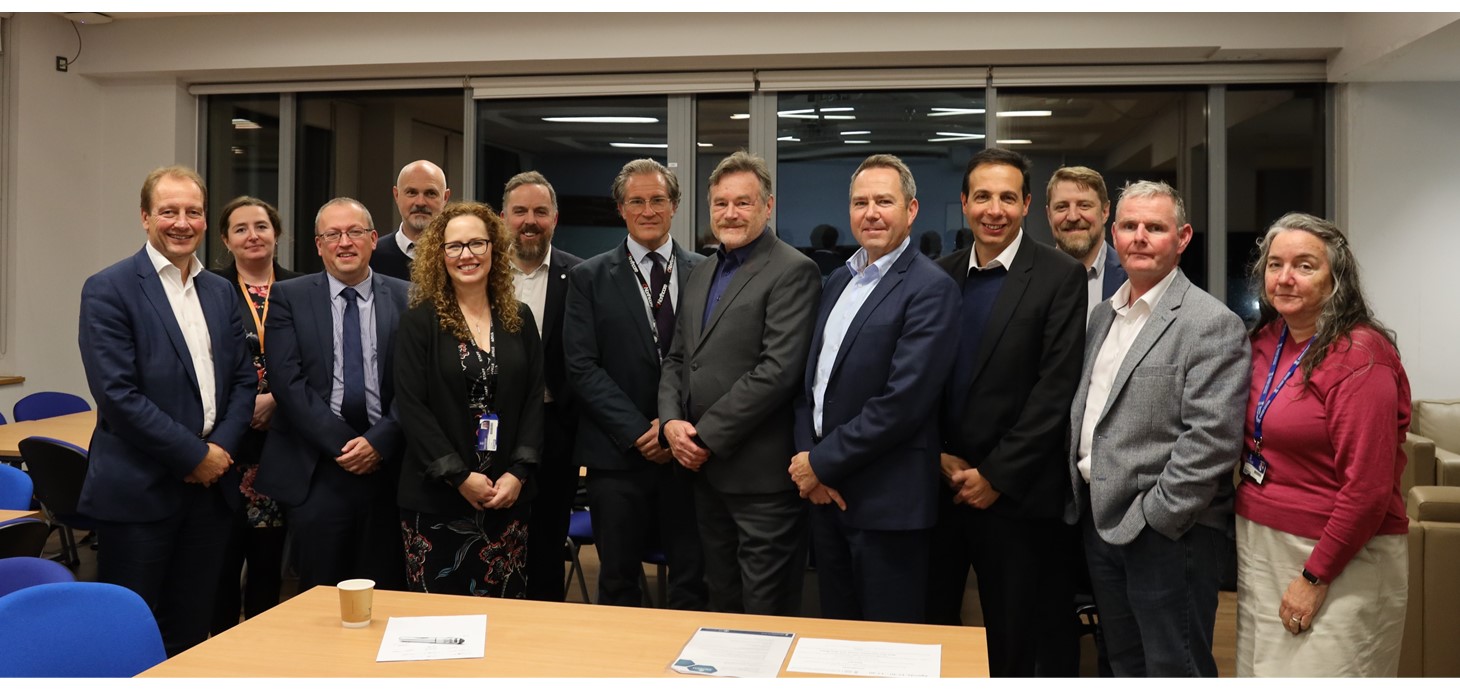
1114	275
300	348
880	431
148	413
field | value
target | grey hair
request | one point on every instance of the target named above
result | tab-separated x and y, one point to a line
891	162
344	200
744	161
645	166
526	178
1146	189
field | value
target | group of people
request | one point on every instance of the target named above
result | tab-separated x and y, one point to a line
1058	419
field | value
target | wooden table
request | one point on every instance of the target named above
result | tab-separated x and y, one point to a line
72	428
8	515
302	637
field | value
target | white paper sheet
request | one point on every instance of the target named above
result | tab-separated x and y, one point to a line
856	658
734	653
443	633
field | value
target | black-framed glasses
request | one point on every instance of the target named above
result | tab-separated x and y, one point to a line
477	247
333	236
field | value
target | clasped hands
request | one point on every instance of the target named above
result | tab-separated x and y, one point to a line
483	494
809	486
972	488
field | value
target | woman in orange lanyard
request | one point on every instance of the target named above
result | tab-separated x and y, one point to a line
250	229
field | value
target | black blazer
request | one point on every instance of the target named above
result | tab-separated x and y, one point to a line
1026	368
554	373
253	439
389	259
611	360
431	400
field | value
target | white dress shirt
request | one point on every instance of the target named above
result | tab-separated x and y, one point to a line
1005	258
1129	320
1095	281
183	298
531	288
864	280
407	246
640	254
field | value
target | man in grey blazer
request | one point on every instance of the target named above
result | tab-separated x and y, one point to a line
738	358
1157	429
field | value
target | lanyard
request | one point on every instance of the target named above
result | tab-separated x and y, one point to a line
655	302
1269	394
258	321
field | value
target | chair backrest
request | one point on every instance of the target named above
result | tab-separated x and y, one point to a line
23	538
2	418
77	630
47	404
58	469
15	488
20	572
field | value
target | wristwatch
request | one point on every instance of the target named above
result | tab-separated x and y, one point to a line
1311	578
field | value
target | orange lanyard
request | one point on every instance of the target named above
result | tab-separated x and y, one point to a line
258	321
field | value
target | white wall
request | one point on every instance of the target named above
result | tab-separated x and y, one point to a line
1400	155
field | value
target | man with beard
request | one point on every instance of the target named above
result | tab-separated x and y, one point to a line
540	279
420	193
1078	208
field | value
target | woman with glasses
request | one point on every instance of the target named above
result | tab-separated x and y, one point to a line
469	390
250	229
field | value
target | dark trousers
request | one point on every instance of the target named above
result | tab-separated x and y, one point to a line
262	549
557	484
1158	599
635	512
755	550
172	563
1025	587
348	527
873	575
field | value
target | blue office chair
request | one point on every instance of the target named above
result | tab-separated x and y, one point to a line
15	488
58	470
77	630
2	418
47	404
23	537
580	534
20	572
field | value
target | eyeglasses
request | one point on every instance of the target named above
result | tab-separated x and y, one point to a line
658	203
477	247
334	236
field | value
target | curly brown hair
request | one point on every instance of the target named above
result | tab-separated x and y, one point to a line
431	283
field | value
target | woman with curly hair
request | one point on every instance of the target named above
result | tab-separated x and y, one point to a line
469	390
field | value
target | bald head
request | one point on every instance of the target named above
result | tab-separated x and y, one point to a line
420	193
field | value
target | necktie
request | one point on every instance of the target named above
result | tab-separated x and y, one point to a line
352	408
664	315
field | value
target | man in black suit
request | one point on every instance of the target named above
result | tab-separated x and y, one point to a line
1078	207
1004	436
540	279
332	456
420	193
620	322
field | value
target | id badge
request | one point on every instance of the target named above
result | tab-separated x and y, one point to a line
1254	466
487	432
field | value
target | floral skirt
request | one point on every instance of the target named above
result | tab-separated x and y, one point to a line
484	555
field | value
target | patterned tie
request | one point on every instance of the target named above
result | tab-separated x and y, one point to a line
664	316
352	408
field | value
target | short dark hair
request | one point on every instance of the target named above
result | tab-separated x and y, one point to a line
527	178
242	201
998	156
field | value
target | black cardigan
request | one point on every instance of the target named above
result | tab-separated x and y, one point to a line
431	405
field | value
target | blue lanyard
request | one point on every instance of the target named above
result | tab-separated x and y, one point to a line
1268	393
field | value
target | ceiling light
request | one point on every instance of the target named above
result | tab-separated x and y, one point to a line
860	131
238	151
1013	141
245	123
837	110
813	114
787	139
605	120
740	116
633	145
838	117
702	144
945	112
804	114
1024	113
855	141
956	136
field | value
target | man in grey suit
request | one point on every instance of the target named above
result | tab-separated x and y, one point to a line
1157	428
725	395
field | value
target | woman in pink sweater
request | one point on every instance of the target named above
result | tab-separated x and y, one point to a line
1322	575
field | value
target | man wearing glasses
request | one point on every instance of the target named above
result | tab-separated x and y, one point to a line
332	456
619	324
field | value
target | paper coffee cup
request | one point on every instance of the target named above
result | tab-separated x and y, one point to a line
355	602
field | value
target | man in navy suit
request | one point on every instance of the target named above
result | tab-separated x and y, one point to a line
540	280
332	456
1078	207
1021	328
420	192
162	344
866	432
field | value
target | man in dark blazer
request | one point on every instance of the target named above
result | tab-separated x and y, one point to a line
866	431
420	192
540	280
1022	325
738	358
620	322
332	456
1156	429
1078	207
162	345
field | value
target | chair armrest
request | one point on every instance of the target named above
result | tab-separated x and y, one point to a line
1434	503
1420	470
1447	467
